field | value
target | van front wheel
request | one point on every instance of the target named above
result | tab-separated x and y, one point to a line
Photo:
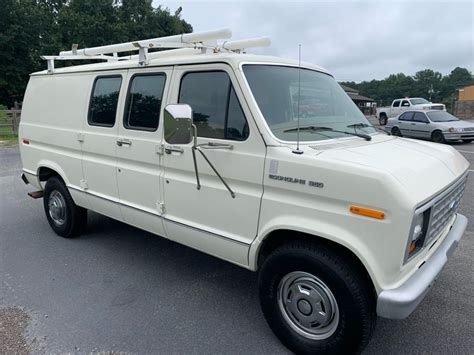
316	301
64	216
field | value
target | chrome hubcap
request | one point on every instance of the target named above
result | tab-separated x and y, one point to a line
57	207
308	305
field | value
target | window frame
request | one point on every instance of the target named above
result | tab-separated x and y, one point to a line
231	86
396	103
91	96
405	101
127	100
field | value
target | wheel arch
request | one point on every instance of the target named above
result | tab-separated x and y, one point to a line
47	169
278	237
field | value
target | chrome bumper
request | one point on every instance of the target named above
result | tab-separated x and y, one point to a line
399	303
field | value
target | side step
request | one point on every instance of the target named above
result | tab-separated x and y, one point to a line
36	194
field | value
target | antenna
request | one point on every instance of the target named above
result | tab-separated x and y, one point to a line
298	151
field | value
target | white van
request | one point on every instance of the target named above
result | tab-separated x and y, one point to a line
261	161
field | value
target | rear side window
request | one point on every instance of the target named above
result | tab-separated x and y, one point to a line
103	103
216	110
396	103
142	110
407	116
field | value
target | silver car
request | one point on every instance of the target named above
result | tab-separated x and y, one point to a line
439	126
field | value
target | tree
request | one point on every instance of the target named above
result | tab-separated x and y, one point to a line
31	28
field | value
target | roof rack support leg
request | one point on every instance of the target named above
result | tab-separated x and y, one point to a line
143	56
50	66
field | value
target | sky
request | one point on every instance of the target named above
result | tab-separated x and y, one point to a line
354	40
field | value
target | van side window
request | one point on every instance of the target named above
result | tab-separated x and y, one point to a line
103	103
216	110
142	110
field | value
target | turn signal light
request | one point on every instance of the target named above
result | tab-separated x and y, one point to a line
367	212
412	247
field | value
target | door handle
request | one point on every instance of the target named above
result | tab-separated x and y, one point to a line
121	142
171	148
212	145
413	124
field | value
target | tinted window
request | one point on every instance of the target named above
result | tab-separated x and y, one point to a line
405	103
407	116
420	117
142	110
396	103
216	109
103	104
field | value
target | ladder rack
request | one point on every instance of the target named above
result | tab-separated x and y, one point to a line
184	44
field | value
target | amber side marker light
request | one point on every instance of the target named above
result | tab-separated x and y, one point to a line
367	212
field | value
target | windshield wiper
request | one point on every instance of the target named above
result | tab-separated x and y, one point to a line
365	125
328	129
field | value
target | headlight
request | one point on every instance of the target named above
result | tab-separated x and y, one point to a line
452	129
417	233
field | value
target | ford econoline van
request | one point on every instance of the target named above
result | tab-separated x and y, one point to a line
261	161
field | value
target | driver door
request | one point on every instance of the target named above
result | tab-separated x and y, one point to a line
209	218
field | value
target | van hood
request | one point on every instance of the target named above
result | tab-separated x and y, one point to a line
423	168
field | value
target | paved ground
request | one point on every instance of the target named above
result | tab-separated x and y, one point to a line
121	289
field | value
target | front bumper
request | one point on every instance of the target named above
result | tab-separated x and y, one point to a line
458	136
399	303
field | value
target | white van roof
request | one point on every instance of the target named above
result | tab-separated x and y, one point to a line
187	48
233	59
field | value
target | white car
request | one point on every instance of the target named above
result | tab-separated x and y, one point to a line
206	146
439	126
406	104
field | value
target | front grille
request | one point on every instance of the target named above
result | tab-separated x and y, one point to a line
443	210
437	107
468	129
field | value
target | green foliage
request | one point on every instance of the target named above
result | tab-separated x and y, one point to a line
30	28
423	84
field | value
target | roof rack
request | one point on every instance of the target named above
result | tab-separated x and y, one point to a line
184	44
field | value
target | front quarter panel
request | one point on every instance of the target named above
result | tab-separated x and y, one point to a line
324	210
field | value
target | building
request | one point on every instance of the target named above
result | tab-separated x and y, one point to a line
365	104
464	105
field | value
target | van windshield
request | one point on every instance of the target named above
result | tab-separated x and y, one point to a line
322	103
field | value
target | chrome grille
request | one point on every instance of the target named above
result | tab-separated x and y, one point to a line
468	129
437	107
444	209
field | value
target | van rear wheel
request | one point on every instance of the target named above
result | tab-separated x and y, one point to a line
64	216
315	300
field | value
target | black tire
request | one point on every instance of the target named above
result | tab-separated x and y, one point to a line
383	119
73	217
396	132
467	140
348	284
438	137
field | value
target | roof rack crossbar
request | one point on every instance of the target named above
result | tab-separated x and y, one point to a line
154	42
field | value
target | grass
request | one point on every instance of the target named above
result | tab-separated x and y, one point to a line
6	132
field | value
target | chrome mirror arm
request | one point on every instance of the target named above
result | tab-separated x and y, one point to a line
198	148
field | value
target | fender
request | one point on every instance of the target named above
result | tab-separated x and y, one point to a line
318	229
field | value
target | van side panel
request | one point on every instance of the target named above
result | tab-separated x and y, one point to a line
53	112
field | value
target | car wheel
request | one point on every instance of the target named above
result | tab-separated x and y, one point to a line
467	140
383	119
64	216
396	132
438	137
315	300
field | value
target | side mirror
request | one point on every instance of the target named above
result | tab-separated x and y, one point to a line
178	124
